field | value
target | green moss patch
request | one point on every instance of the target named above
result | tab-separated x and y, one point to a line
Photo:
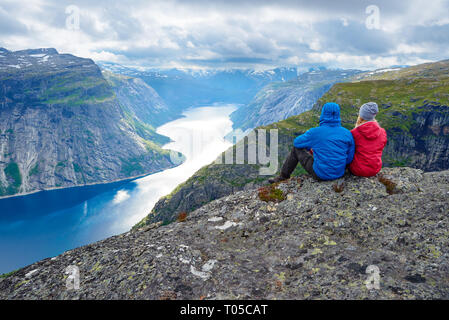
34	170
132	166
6	275
14	178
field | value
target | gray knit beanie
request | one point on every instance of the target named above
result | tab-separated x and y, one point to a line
368	111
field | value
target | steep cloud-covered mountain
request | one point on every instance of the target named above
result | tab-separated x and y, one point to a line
62	125
413	108
280	100
184	88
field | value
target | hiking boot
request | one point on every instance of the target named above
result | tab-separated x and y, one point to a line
277	179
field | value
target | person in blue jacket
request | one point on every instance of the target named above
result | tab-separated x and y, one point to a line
332	148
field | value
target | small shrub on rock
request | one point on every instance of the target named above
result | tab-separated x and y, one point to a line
182	217
389	185
271	194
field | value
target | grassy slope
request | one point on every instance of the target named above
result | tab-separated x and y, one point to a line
398	93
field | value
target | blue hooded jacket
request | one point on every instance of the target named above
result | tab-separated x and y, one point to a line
333	146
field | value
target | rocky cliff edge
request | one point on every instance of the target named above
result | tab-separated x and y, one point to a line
309	241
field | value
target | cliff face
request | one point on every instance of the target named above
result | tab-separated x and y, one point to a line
316	241
281	100
61	125
414	110
427	145
140	99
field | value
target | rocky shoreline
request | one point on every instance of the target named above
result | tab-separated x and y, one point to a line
124	180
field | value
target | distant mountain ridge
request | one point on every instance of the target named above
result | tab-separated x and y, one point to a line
279	100
62	124
184	88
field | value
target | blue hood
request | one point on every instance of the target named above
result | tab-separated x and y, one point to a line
333	146
330	114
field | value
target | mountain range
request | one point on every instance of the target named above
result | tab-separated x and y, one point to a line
66	122
63	124
185	88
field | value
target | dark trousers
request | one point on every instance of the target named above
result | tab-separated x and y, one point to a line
303	157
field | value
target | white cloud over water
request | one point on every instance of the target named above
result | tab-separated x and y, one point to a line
120	196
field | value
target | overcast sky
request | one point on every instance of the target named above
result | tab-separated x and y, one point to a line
233	33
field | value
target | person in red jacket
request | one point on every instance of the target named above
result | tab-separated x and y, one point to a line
370	140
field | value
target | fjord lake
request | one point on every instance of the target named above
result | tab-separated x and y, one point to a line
47	223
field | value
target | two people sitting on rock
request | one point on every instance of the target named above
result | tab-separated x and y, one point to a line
326	151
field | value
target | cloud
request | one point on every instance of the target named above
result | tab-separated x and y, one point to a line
353	38
9	25
237	33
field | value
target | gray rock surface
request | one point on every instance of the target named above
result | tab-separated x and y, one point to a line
316	244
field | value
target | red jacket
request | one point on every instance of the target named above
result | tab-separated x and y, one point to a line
370	140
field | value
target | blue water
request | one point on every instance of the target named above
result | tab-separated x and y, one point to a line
47	223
